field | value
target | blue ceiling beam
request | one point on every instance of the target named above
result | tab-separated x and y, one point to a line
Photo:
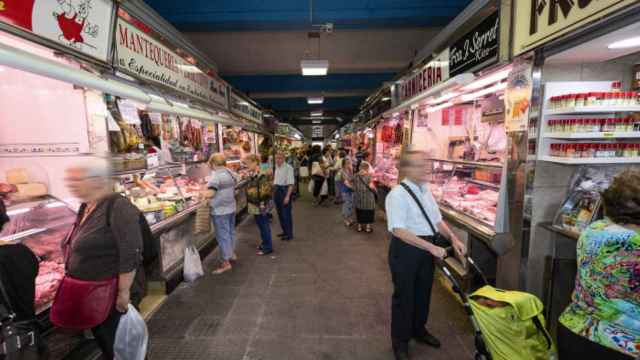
347	104
291	83
206	15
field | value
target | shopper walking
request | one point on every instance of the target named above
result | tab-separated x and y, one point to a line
364	198
603	319
412	251
221	190
294	162
329	161
337	168
346	189
104	249
284	182
259	193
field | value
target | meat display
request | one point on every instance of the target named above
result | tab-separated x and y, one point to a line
49	276
467	198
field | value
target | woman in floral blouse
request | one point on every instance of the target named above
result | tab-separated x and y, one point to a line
259	197
603	319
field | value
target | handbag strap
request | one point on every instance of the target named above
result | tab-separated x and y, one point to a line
424	212
367	186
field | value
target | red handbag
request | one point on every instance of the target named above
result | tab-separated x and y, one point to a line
82	304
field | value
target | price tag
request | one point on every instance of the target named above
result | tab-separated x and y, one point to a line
609	134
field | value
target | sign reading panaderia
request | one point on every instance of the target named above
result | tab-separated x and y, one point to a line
479	46
142	54
433	73
243	108
540	21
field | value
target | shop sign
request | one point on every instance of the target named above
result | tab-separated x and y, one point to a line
80	25
141	54
477	47
241	107
433	73
283	129
517	97
540	21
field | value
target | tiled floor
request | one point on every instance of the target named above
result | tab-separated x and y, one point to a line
323	296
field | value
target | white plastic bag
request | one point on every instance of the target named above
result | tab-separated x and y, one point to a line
132	337
310	186
192	264
304	171
324	190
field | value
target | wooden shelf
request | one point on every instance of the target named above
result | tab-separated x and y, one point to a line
594	110
579	161
595	135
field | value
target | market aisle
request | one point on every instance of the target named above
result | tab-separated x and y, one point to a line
326	295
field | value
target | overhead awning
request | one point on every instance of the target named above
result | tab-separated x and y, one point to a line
26	61
159	104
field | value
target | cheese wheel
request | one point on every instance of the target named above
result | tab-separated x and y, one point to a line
17	176
32	190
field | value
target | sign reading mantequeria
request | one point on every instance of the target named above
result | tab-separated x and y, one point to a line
433	73
477	47
80	25
540	21
140	52
243	108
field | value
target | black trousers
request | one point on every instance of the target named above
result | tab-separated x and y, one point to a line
573	346
105	333
412	274
317	184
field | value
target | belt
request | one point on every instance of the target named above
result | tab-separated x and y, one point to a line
16	342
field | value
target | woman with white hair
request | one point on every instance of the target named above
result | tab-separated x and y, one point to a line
103	255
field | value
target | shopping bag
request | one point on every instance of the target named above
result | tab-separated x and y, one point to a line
310	186
132	337
324	190
304	171
202	223
192	264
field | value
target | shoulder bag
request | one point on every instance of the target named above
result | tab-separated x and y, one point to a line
375	193
19	340
82	304
437	238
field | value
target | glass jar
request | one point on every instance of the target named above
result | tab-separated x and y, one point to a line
571	101
619	150
592	98
590	151
616	86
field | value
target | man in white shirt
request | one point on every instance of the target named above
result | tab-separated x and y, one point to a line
411	253
284	181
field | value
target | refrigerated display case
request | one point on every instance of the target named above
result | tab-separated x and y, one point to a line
42	225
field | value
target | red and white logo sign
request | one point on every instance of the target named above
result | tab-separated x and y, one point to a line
83	25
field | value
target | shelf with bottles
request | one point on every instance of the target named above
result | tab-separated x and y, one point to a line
595	100
594	128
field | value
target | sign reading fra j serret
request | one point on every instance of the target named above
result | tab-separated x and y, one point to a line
539	21
477	47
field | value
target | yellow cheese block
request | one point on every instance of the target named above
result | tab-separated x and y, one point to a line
32	190
17	176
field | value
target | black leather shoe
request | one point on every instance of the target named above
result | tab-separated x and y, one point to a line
401	354
281	235
286	238
428	339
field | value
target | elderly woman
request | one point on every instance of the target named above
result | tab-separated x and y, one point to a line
603	319
259	202
105	243
346	188
364	197
221	188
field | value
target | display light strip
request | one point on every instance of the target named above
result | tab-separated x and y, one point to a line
439	107
488	80
489	90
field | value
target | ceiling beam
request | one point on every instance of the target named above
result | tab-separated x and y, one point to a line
305	94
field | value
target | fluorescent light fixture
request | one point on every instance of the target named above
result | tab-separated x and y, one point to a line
439	107
396	113
297	136
443	97
489	90
314	67
626	43
316	121
315	100
176	103
189	68
488	80
316	113
385	99
267	115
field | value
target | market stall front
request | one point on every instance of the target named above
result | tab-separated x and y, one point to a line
586	114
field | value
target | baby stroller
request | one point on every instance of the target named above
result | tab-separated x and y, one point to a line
508	325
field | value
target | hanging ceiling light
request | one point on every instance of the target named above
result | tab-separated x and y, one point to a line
314	67
316	113
315	100
626	43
